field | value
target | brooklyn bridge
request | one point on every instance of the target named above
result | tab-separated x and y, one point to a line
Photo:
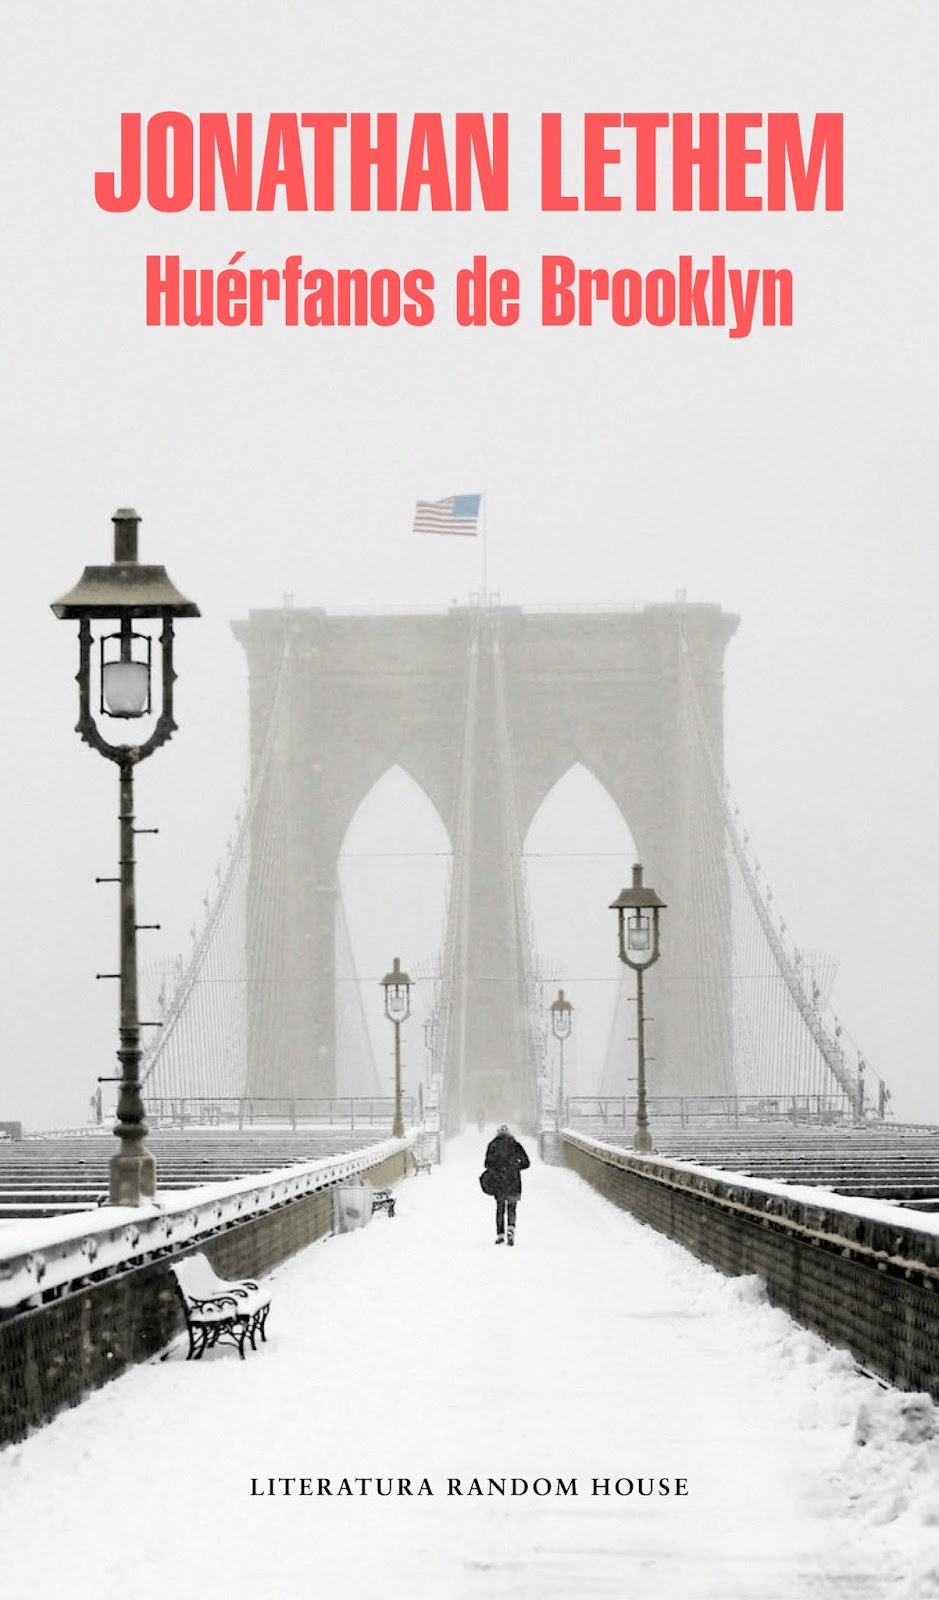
726	1116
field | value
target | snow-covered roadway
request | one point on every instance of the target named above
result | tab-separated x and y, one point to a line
416	1350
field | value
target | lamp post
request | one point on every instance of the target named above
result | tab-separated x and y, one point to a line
115	672
561	1028
639	949
397	987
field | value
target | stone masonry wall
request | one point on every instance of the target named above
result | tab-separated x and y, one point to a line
869	1286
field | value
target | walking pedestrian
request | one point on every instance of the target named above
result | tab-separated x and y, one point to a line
506	1160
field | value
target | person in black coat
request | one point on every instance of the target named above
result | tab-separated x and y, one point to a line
506	1159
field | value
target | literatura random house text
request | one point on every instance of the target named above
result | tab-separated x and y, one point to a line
639	162
471	1488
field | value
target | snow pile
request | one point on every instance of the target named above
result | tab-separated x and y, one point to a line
891	1477
875	1448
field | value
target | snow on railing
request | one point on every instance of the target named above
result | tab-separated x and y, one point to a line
49	1255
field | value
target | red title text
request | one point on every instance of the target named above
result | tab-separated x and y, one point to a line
363	161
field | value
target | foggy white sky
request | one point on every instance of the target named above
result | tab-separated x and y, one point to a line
790	477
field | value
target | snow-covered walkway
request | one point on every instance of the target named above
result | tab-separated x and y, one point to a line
416	1350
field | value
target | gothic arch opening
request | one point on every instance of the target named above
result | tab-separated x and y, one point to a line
394	876
577	853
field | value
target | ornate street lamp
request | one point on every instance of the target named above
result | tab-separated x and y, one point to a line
115	680
560	1010
639	949
397	987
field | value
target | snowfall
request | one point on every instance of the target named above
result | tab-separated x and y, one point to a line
525	1397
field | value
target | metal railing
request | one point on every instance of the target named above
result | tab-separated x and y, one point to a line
45	1256
617	1113
252	1111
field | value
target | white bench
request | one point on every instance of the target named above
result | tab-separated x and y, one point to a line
217	1308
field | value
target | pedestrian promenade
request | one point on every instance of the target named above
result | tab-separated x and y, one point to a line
437	1416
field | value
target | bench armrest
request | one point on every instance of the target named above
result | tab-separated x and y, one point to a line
219	1302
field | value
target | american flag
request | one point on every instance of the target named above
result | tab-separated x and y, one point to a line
459	513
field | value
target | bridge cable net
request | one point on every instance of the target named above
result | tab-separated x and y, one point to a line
201	1049
789	1052
773	1046
212	1027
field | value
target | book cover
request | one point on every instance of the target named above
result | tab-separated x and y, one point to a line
643	297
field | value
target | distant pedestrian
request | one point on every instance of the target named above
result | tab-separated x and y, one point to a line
506	1160
480	1119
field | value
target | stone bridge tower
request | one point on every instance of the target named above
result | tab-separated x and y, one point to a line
486	707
